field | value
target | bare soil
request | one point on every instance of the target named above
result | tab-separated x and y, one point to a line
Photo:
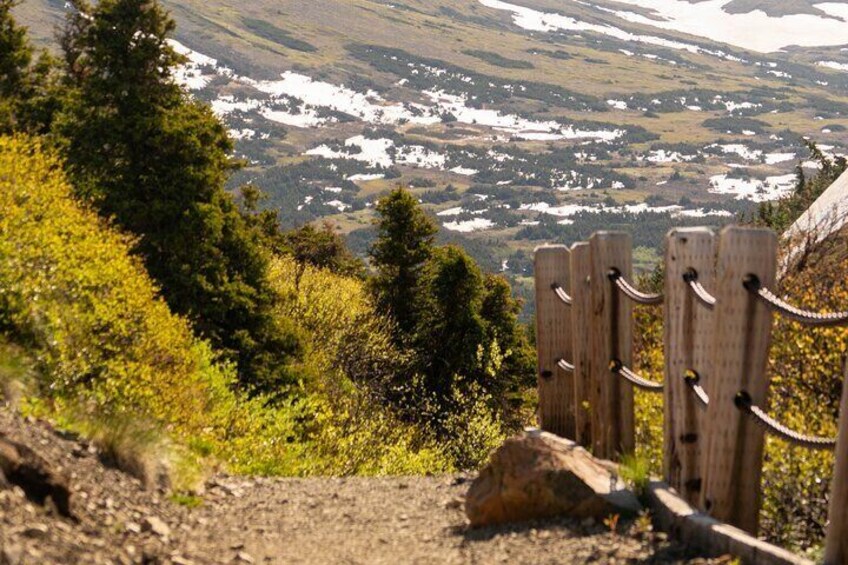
259	520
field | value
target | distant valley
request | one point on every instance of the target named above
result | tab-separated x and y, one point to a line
520	122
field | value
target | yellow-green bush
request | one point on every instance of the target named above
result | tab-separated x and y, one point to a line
806	384
105	346
113	362
349	361
72	292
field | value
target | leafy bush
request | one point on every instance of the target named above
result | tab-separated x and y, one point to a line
351	362
107	350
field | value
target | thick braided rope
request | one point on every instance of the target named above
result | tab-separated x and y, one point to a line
744	402
632	292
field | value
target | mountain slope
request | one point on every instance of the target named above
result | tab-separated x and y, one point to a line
515	122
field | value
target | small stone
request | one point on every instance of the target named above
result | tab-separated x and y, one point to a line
37	531
588	522
156	526
11	555
455	503
244	557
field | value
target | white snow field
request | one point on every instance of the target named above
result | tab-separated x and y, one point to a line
755	30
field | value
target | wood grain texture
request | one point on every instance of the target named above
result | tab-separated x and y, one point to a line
688	328
553	340
742	334
611	337
581	308
836	542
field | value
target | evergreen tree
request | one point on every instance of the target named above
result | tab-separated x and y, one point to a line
517	360
323	248
780	215
28	95
450	337
404	242
156	163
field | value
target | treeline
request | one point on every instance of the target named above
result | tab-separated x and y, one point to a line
153	163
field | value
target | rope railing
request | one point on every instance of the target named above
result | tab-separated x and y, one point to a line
702	426
745	403
752	284
706	299
692	380
565	366
632	292
618	368
561	294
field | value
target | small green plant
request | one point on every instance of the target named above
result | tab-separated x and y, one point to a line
635	471
642	525
187	500
611	522
15	374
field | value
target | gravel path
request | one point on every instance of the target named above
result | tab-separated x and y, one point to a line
320	521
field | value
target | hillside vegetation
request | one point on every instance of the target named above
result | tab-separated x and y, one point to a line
107	356
181	328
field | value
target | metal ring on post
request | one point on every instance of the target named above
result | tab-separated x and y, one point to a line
631	291
752	284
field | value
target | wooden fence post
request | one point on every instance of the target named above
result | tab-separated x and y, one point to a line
688	328
739	354
611	324
581	308
836	543
553	341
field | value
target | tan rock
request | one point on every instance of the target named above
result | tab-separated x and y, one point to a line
539	475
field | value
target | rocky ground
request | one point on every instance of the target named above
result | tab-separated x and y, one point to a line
240	520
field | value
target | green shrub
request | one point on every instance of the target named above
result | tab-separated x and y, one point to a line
110	359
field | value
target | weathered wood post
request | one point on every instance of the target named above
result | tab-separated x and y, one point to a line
688	327
611	326
553	341
742	334
581	307
836	542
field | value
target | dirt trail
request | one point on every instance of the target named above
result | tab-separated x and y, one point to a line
321	521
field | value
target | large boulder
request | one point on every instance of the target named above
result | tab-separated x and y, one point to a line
540	475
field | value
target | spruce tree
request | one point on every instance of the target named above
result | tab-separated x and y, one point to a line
450	337
155	162
404	242
28	97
